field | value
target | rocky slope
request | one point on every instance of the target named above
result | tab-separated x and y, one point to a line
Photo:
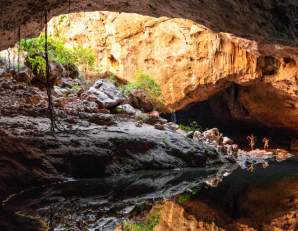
93	140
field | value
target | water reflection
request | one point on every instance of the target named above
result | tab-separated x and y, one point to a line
226	198
104	203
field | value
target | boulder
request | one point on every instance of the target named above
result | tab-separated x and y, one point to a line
213	135
153	117
227	140
25	75
140	100
71	71
105	94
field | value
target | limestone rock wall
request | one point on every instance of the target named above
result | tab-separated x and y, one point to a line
191	62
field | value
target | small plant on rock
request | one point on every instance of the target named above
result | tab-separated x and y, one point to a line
193	126
147	225
146	82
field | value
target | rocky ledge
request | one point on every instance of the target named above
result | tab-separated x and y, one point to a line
99	134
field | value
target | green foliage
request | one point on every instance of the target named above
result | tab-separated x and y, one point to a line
147	225
147	83
193	126
83	57
183	198
38	64
76	87
57	51
127	88
112	78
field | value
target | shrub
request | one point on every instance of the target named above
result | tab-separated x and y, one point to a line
57	51
147	83
183	198
38	64
76	87
193	126
83	57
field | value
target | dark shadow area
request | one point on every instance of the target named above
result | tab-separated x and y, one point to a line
216	112
256	19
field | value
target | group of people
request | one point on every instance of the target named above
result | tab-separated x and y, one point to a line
253	140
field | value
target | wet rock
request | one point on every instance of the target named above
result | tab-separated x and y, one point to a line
140	100
93	202
105	94
21	166
190	134
98	118
159	126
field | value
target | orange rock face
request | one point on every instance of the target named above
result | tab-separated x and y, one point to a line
191	62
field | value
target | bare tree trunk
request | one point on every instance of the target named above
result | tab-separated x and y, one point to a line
8	57
19	46
48	82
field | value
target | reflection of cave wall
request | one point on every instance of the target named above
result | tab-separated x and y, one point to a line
235	112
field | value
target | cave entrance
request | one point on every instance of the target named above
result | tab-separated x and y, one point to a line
224	112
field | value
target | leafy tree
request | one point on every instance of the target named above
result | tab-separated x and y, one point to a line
56	49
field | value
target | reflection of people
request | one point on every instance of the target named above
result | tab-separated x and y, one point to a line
266	143
252	141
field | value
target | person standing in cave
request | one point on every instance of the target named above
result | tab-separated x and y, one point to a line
266	143
252	141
